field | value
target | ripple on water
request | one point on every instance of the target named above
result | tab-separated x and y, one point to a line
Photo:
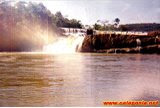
77	79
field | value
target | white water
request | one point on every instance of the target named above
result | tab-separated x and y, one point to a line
70	44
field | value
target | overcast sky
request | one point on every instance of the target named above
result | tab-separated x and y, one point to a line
89	11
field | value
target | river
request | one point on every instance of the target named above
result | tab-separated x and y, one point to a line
79	79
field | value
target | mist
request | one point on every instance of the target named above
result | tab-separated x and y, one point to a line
25	26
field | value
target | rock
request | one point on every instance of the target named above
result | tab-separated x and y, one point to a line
147	49
151	49
112	43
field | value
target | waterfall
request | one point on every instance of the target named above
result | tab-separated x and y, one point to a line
70	44
115	51
138	41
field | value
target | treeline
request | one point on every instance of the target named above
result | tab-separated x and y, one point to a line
106	25
143	27
61	21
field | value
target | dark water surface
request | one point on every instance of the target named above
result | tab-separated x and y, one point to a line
30	79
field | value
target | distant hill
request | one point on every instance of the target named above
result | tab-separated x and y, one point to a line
145	27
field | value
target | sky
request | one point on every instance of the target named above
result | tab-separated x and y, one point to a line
89	11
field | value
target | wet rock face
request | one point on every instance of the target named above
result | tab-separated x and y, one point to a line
87	44
151	49
101	42
144	50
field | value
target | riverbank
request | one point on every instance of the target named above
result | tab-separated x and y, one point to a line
118	43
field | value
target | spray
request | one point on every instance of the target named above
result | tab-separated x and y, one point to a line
70	44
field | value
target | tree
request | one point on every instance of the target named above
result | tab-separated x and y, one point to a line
103	24
97	26
116	22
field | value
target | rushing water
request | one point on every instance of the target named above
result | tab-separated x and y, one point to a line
32	79
70	44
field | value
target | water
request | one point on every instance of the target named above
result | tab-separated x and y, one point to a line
35	79
70	44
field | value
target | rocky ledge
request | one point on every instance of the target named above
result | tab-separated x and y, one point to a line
114	43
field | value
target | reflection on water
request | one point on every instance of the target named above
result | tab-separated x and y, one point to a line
77	79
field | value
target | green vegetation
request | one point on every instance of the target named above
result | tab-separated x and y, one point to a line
143	27
105	25
61	21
